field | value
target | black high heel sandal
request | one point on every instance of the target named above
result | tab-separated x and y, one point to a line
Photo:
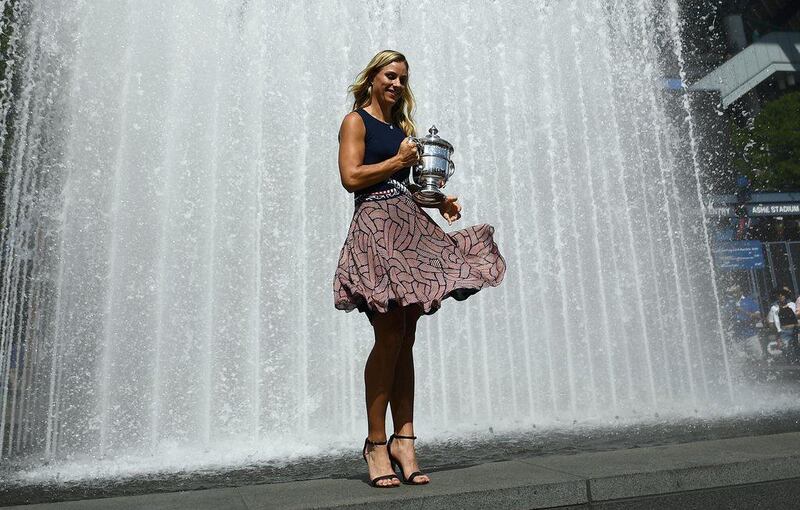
396	463
374	481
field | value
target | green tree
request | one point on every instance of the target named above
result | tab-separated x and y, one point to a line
769	151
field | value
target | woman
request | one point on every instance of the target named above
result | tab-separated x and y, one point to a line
396	263
784	316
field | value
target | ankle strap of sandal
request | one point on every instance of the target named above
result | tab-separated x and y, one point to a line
374	443
398	436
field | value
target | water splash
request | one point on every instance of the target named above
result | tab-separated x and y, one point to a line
174	215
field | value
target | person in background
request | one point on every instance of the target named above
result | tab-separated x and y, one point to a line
784	318
789	293
745	315
797	307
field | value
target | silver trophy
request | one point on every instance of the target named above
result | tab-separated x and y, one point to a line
434	169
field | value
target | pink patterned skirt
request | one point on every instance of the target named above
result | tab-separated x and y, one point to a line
396	255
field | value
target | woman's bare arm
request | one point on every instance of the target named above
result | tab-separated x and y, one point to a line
354	173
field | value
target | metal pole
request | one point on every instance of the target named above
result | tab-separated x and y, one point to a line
771	269
792	271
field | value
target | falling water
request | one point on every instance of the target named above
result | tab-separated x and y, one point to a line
173	217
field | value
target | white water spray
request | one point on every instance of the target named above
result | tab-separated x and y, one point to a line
174	216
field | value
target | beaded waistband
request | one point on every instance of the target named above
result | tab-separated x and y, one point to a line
397	189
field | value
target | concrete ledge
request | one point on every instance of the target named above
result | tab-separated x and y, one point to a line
682	467
780	495
761	471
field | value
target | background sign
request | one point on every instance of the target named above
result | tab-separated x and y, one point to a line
732	255
786	209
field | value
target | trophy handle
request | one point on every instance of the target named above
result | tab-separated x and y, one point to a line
411	170
451	168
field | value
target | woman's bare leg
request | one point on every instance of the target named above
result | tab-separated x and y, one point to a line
402	400
378	382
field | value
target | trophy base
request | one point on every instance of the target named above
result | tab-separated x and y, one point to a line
429	197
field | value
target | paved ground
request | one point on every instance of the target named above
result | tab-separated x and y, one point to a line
748	472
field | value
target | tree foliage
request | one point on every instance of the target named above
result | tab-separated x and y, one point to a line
768	151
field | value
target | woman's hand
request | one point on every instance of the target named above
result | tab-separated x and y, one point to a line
407	154
450	210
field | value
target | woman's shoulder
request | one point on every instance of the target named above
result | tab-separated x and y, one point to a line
352	126
353	119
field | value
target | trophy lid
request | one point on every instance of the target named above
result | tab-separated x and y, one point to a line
432	138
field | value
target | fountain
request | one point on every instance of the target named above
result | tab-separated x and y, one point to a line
173	216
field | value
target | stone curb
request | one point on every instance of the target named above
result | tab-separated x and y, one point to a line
765	469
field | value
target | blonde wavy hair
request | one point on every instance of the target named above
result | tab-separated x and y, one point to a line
403	109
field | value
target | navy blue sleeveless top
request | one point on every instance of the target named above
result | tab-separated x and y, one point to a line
381	142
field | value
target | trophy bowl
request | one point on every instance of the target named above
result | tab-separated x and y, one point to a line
434	169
